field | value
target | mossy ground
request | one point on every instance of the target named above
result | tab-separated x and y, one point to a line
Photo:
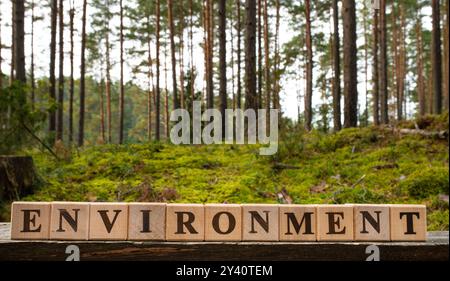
368	165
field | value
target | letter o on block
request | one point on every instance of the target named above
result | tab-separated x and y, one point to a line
223	222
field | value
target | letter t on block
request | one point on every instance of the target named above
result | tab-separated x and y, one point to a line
408	223
30	221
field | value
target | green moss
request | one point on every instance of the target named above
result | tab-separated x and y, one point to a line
426	182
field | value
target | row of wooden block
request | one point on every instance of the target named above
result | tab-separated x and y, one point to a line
216	222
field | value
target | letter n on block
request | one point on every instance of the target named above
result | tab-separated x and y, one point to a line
108	221
372	222
260	222
30	221
335	223
69	221
147	221
223	222
185	222
298	223
408	222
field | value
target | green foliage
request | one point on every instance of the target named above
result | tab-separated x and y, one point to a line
426	182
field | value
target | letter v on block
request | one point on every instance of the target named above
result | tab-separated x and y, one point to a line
108	221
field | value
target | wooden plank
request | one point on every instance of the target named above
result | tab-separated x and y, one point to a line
434	249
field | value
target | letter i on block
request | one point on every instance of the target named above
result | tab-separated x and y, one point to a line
147	221
69	221
298	223
372	222
185	222
30	220
223	222
335	223
260	222
108	221
408	222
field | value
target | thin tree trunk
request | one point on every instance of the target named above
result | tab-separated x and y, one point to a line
210	33
309	68
446	58
60	112
396	59
82	78
158	74
102	107
122	89
72	82
19	41
383	65
267	64
13	56
238	30
223	61
336	69
181	54
260	71
436	58
276	94
108	77
191	48
402	64
1	59
366	64
151	89
350	65
375	69
176	102
251	98
166	91
54	13
32	76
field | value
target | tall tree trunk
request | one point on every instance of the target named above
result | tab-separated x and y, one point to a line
60	112
32	76
277	88
267	64
223	61
108	77
402	64
72	82
239	60
19	41
122	89
251	99
181	54
336	69
151	88
158	74
446	58
54	13
191	48
102	107
396	59
176	102
1	59
309	68
166	91
366	64
350	65
260	71
436	58
375	69
210	54
13	35
383	65
82	78
421	87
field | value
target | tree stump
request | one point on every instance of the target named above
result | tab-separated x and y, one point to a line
18	176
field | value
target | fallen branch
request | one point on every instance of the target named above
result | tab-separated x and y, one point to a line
281	166
428	134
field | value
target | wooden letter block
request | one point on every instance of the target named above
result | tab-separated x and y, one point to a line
30	220
223	222
260	222
372	222
147	221
108	221
185	222
298	223
408	223
69	221
335	223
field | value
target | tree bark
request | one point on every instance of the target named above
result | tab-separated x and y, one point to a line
251	99
18	177
60	112
54	13
108	76
19	41
309	68
375	70
446	58
383	65
336	69
82	78
158	74
239	61
276	93
267	64
32	76
350	65
420	69
260	71
122	88
72	82
436	58
176	102
223	61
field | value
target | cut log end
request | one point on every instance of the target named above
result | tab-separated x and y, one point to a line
18	177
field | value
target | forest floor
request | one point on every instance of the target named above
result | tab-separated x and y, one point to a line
362	165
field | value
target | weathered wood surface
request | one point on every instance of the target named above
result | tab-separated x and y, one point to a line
435	249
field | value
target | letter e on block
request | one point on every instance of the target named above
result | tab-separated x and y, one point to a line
108	221
185	222
408	223
30	220
69	221
260	222
335	223
223	222
372	222
298	223
147	221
